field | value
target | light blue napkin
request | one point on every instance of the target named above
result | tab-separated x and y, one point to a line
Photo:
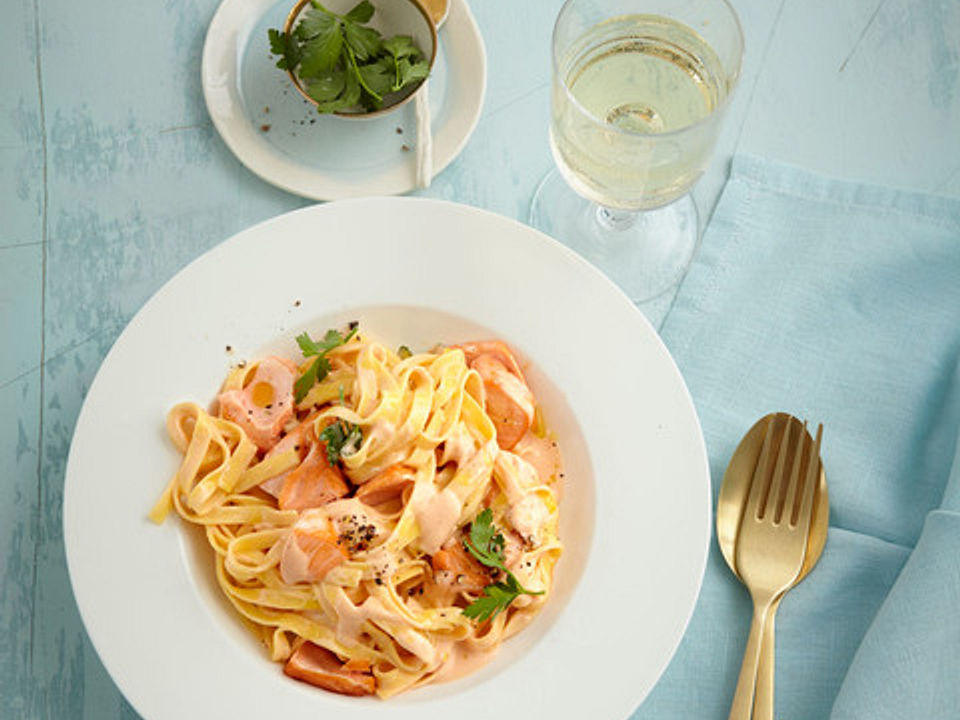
839	303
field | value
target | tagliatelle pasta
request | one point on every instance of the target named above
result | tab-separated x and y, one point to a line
380	520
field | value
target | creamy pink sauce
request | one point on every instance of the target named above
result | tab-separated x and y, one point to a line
515	475
382	562
437	513
541	452
350	617
294	562
528	517
350	620
461	661
458	446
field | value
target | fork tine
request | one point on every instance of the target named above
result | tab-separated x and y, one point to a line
779	473
805	509
761	473
787	506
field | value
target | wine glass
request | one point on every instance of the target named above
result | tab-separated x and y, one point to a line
639	90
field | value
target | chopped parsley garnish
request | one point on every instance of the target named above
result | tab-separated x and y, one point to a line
342	63
321	366
341	439
486	545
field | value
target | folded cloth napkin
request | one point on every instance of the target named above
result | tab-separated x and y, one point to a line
839	303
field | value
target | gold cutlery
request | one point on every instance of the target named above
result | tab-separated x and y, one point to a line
730	504
771	545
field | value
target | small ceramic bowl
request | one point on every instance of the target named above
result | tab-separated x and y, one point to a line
391	17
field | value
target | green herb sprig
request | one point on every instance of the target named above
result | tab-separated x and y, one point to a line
341	439
343	63
486	545
321	366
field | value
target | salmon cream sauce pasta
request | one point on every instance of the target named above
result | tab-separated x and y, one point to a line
379	519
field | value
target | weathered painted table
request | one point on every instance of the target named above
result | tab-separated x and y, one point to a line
112	178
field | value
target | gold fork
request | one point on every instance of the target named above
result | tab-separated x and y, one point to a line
772	541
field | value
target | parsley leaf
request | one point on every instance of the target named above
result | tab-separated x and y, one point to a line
365	42
316	22
408	68
401	46
320	367
341	439
323	51
348	99
378	77
278	41
361	13
332	339
486	544
496	597
410	73
286	48
328	86
315	373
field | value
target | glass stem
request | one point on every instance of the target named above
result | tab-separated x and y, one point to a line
615	220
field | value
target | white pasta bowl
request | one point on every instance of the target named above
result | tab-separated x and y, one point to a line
635	512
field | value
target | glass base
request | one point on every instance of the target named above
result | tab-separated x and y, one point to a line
645	252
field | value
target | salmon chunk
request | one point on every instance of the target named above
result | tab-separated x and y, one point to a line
388	484
510	404
314	482
265	404
312	550
318	666
299	439
455	567
492	348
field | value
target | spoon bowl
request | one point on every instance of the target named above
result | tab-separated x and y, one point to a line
736	486
438	10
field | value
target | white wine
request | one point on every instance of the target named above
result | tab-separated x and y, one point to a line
635	104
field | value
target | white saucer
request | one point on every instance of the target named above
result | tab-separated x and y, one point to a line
281	138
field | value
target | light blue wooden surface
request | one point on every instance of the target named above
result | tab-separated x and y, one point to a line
112	178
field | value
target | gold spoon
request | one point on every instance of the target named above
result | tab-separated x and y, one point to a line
733	496
438	10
